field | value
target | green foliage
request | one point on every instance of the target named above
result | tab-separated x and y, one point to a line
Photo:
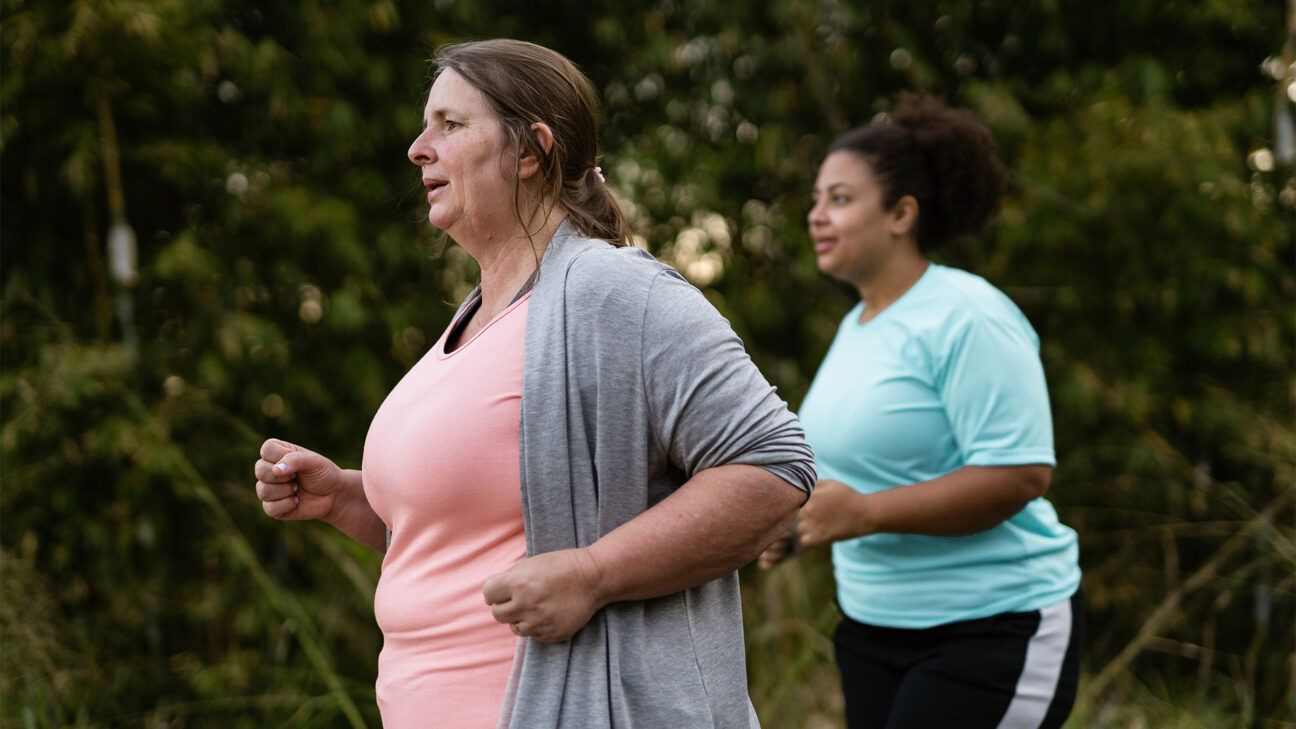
286	282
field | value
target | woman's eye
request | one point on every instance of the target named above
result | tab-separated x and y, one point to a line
840	199
451	124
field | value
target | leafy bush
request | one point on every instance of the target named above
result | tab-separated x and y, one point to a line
285	282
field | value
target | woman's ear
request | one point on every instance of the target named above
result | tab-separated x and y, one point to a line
903	220
529	165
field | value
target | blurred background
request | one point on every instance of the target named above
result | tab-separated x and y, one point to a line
211	235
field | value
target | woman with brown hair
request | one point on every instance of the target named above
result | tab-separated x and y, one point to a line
930	421
567	481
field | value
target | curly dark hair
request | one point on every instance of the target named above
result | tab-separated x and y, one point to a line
945	158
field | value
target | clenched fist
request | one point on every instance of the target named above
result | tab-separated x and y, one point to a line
547	597
296	484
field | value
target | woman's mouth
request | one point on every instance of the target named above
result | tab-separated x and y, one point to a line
823	245
433	187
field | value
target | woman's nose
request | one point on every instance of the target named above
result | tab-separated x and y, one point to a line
816	217
421	151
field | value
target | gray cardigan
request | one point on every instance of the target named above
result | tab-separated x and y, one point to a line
633	382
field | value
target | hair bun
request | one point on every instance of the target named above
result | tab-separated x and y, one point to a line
968	179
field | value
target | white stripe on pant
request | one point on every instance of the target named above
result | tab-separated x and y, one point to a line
1038	682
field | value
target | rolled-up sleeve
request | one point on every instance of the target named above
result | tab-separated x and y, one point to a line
710	405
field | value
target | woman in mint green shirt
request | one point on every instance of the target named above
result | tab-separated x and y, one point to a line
930	422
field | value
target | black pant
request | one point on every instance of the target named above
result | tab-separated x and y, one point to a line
1007	671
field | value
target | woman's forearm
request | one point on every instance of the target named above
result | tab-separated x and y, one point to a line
966	501
353	516
716	522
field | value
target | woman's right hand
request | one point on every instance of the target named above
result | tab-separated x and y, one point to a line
296	484
782	549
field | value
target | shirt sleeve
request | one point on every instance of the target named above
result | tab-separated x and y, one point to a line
710	405
992	385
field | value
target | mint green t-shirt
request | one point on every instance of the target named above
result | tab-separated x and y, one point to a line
947	376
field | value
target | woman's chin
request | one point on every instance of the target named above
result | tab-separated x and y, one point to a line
825	265
836	273
440	220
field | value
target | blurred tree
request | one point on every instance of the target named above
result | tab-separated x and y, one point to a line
286	281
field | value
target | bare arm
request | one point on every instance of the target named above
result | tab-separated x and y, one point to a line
355	518
716	522
966	501
295	484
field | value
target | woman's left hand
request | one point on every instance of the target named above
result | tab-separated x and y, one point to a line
547	597
834	512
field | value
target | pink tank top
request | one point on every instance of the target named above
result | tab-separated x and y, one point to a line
441	469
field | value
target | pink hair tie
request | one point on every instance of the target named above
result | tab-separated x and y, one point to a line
599	171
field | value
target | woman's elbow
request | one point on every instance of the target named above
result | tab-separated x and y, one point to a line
1033	481
781	514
